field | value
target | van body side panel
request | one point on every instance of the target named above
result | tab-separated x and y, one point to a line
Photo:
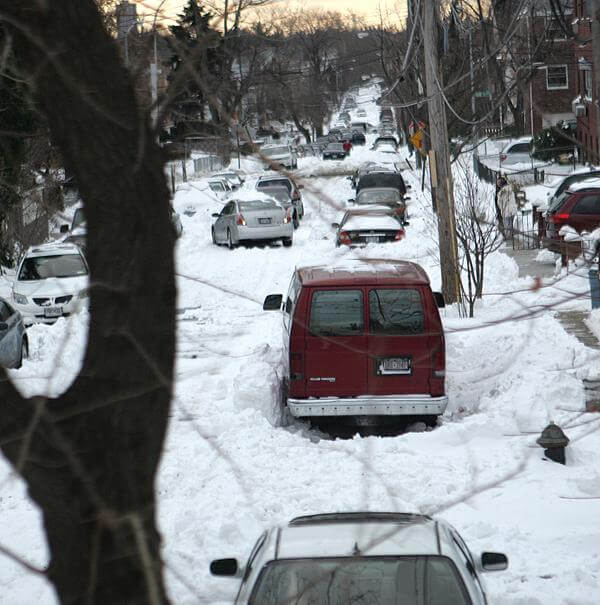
335	363
398	341
437	348
297	346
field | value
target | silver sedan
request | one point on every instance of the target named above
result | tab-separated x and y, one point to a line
252	220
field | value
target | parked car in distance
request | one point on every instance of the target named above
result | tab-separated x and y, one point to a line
280	155
14	345
394	558
252	217
287	182
361	226
516	152
361	113
383	140
235	180
364	344
578	207
358	138
382	196
374	179
334	151
281	195
345	116
51	282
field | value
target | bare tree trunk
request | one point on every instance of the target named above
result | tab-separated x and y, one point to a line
90	456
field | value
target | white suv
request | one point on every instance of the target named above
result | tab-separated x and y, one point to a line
342	557
51	282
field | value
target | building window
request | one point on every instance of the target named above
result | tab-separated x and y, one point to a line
556	77
555	30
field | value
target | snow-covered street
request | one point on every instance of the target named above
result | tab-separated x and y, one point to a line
229	468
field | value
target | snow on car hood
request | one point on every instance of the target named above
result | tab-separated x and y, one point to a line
51	286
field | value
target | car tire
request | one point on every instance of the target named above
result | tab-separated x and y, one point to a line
214	239
230	243
295	220
287	241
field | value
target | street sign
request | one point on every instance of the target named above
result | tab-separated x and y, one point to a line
482	93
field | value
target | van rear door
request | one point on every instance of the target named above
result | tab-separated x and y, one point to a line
336	343
398	341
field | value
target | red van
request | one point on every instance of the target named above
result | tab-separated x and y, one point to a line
363	341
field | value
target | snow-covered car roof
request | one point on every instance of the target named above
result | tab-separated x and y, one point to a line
592	182
52	249
358	219
249	195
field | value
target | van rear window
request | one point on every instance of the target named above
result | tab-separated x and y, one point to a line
336	312
396	311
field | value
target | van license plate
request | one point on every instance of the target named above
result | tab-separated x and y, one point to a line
52	311
264	221
394	365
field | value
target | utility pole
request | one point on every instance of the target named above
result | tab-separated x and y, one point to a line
440	157
154	71
596	66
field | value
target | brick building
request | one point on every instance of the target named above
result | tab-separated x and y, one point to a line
585	103
549	93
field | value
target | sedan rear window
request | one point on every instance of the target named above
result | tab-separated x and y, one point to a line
275	183
377	197
57	265
396	311
257	205
519	148
373	580
336	312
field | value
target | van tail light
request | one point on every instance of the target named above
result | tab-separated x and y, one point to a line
439	361
345	238
296	366
502	157
399	235
240	219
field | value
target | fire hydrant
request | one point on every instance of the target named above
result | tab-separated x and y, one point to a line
554	442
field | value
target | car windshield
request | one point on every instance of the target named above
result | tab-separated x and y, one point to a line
56	265
378	197
335	147
217	186
257	205
360	580
275	151
78	218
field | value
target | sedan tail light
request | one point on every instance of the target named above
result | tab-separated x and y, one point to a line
399	235
345	238
240	219
288	216
502	157
295	195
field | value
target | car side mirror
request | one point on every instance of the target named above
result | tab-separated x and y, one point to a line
273	302
494	561
407	187
348	178
352	200
335	225
405	223
64	228
3	326
439	298
215	215
406	198
224	567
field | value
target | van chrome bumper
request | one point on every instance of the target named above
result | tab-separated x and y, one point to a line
369	405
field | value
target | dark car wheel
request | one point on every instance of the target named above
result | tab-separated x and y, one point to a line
214	239
287	241
230	243
296	221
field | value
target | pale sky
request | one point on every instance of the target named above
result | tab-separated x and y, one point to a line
367	8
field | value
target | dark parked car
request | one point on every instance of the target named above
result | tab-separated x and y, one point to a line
14	346
361	226
375	179
334	151
284	181
382	196
568	181
578	207
282	195
358	138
